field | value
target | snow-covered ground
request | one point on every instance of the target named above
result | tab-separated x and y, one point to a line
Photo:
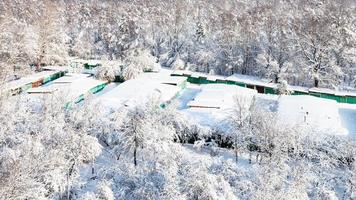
324	115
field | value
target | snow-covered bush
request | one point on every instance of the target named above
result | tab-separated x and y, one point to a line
105	72
104	191
138	62
148	62
199	144
131	71
282	88
178	64
90	148
200	184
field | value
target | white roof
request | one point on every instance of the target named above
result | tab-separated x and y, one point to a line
28	79
199	74
322	90
176	80
220	96
298	88
181	72
334	92
90	61
71	90
345	93
215	77
215	103
138	90
250	80
81	86
204	104
177	72
70	77
317	113
56	68
42	90
93	62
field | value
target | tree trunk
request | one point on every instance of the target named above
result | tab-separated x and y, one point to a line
38	67
249	158
316	82
135	159
276	78
68	187
135	152
236	155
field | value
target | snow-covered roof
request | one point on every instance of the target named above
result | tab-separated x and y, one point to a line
322	90
199	74
42	90
173	80
320	114
136	91
204	104
215	77
28	79
181	72
219	96
333	92
84	61
214	103
70	77
177	72
345	93
250	80
298	88
93	62
75	85
81	86
56	68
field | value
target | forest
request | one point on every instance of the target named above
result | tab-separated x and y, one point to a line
145	151
306	42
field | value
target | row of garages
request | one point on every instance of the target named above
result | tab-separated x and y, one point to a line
265	87
33	81
71	88
160	86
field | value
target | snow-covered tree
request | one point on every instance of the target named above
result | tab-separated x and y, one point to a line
105	72
52	38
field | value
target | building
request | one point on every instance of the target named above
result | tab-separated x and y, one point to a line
265	87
